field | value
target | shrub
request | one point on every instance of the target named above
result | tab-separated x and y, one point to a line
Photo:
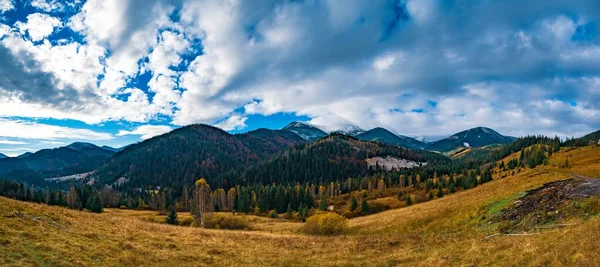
172	217
187	221
225	222
327	223
272	214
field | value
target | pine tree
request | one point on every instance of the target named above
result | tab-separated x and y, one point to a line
408	200
94	204
323	204
440	193
172	217
289	211
353	204
364	206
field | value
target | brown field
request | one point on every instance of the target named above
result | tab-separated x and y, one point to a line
442	232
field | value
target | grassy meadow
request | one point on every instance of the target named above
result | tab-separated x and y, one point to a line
453	230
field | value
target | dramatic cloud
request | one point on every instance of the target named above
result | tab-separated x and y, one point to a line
146	131
417	67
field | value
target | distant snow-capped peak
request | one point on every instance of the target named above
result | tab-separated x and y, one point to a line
349	129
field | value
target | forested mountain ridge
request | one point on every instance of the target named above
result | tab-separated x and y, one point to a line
591	138
182	155
383	135
333	158
475	137
46	163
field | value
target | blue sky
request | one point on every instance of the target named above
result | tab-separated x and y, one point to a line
114	72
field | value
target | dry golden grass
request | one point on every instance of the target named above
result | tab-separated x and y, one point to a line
446	231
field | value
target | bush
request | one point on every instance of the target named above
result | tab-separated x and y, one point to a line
272	214
327	223
172	217
225	222
187	221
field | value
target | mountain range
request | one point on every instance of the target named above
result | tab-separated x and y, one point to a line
382	135
74	158
185	154
182	155
475	137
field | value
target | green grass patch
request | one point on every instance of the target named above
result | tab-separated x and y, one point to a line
496	207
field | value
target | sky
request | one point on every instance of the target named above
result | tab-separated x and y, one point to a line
115	72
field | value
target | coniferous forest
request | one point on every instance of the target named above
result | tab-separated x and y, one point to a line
272	170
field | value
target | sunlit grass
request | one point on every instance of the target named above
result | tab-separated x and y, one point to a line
441	232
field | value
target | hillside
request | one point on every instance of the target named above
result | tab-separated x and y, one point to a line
2	156
382	135
453	230
46	163
306	131
183	155
333	158
591	138
282	134
475	137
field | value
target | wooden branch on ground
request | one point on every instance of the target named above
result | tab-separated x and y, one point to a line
524	234
555	226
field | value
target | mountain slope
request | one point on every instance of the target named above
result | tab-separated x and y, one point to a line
333	158
72	159
285	134
188	153
351	130
382	135
112	148
24	155
2	156
305	130
591	138
476	137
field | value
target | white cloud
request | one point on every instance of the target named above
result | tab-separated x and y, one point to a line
235	122
147	131
6	5
357	62
48	5
39	26
33	130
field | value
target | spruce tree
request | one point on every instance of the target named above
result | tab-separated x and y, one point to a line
353	204
408	200
172	217
94	204
289	211
364	206
323	204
